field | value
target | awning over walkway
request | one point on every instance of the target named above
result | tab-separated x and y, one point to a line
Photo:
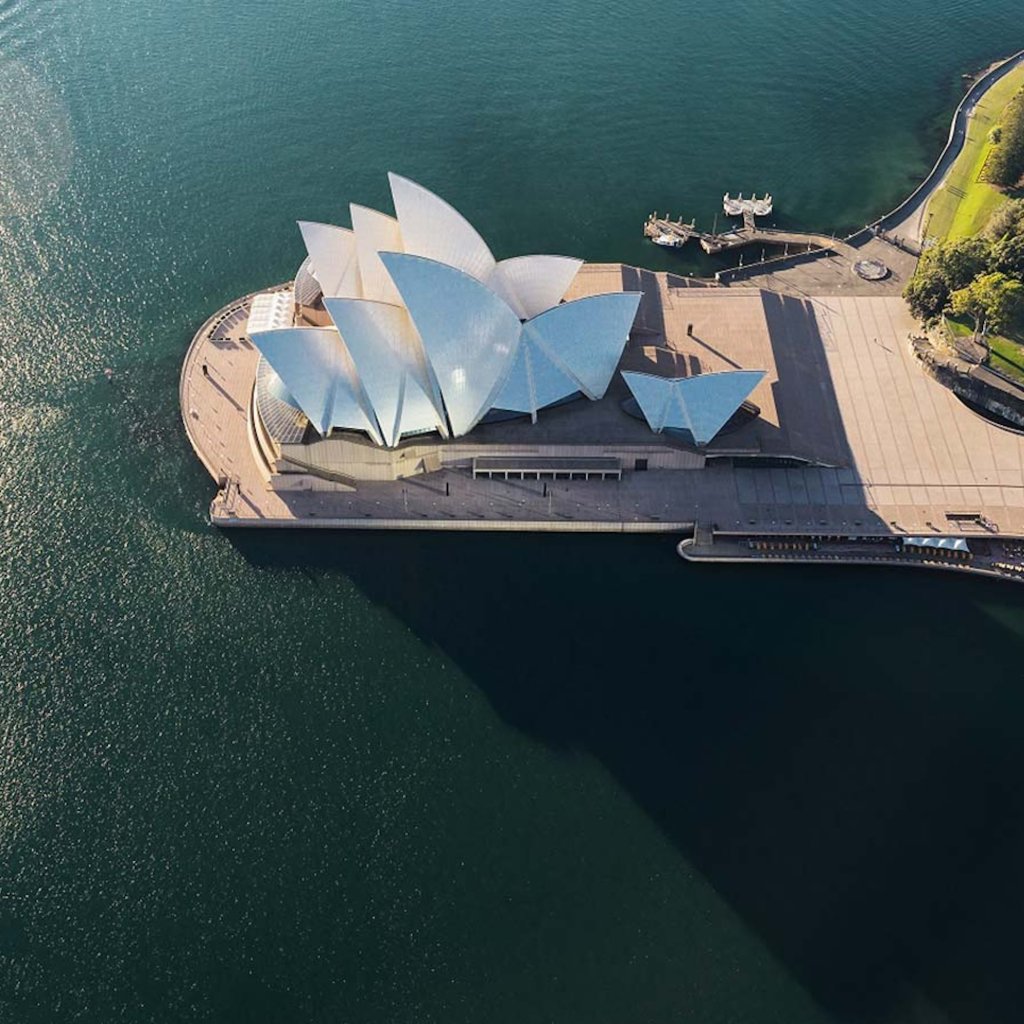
535	468
942	543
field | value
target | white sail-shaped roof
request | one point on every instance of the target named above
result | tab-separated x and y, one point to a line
384	347
375	233
469	334
652	394
318	373
432	332
332	252
517	394
532	284
551	381
702	404
586	337
711	398
432	228
534	380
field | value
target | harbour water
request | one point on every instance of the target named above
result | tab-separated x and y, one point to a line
384	778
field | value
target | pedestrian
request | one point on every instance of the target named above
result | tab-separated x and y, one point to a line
206	370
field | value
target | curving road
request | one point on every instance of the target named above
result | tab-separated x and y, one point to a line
906	219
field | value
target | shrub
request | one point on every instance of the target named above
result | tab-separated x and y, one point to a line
991	300
1005	166
1007	219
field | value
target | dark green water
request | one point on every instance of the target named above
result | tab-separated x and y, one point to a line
461	779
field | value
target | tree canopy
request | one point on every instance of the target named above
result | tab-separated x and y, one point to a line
1006	164
943	269
991	300
947	273
1008	219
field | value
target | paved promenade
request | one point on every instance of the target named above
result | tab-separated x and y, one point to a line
829	273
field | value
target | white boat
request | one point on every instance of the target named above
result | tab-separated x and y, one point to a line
669	241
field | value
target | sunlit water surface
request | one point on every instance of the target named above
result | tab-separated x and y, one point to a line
406	779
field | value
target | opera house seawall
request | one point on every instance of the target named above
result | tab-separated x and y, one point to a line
408	379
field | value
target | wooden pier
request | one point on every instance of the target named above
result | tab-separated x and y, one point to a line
673	234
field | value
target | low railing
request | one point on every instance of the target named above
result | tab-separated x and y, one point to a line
1019	385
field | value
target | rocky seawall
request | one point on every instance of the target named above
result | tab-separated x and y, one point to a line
971	382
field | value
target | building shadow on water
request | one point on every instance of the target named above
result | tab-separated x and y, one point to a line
838	752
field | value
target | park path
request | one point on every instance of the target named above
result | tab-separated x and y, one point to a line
907	219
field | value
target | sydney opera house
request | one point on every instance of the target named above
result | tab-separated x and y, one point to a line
403	346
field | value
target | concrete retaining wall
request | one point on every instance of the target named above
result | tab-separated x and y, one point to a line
957	375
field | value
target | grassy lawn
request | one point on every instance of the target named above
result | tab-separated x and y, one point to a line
1007	356
959	327
1007	349
962	206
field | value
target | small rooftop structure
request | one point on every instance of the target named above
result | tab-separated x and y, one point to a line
526	467
270	311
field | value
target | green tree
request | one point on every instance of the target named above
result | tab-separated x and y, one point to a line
960	262
943	269
1008	255
1006	219
1005	230
927	292
991	300
1006	163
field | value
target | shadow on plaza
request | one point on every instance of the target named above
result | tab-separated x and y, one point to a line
807	421
857	799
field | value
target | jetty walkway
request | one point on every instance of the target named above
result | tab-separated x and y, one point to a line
900	231
734	238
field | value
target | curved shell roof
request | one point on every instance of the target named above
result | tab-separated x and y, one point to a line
469	334
702	404
332	254
532	284
317	371
432	228
389	360
431	332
